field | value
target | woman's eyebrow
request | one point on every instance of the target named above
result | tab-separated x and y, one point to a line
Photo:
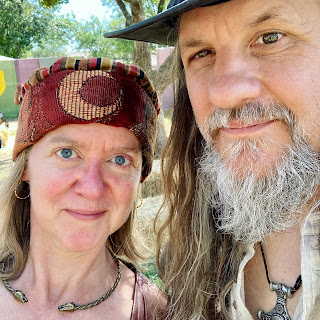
127	149
77	144
65	140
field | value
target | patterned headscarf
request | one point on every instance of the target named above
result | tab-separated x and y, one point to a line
97	90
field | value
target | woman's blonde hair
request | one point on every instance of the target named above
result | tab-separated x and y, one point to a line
15	225
198	264
14	220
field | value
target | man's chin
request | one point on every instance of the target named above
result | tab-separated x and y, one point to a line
244	165
258	157
256	195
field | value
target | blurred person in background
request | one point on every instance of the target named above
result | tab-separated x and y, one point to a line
3	132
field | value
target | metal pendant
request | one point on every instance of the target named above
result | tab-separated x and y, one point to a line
70	306
279	311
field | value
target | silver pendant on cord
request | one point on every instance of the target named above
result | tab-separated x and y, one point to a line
279	311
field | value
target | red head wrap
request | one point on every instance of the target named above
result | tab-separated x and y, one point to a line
84	91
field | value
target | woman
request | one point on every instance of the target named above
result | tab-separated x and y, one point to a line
85	139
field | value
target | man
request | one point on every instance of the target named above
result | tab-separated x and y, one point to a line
242	163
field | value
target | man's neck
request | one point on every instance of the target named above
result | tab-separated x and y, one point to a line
283	259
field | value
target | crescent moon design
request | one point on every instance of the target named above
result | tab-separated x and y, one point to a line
90	95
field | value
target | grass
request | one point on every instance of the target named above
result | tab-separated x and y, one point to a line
150	270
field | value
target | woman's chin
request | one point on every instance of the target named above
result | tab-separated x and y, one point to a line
82	242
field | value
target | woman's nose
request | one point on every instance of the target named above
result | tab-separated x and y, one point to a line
91	183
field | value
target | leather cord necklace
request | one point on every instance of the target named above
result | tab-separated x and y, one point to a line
279	311
70	306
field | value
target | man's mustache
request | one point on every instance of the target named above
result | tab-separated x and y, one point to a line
249	113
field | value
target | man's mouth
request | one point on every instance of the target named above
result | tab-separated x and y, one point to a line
243	128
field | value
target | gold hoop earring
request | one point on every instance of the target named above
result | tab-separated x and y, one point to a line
141	202
16	194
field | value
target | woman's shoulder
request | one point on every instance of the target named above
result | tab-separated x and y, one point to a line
149	300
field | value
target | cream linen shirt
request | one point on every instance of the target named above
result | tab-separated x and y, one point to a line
308	307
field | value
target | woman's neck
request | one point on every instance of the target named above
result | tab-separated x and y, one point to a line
54	275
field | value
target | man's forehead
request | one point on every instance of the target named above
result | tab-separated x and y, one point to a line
242	14
253	11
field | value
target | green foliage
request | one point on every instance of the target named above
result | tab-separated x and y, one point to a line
150	270
34	28
59	38
52	3
90	39
21	24
150	8
118	21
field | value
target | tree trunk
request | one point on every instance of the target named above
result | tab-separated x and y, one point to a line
160	78
142	56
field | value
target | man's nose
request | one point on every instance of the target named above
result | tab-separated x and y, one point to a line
235	80
91	182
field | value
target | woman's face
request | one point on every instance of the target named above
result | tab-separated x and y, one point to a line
83	182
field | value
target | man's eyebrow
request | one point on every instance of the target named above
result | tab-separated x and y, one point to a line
190	43
274	13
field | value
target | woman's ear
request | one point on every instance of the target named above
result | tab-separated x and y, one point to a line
25	174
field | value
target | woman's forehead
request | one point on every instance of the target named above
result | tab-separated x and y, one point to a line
93	134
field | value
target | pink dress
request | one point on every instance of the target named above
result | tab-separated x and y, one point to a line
147	297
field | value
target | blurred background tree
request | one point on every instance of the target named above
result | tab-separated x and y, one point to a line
22	24
52	3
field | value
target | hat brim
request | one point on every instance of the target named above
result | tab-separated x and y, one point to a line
158	29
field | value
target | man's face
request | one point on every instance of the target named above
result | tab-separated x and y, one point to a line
254	52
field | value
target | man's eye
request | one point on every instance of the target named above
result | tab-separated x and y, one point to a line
269	38
66	153
202	54
121	160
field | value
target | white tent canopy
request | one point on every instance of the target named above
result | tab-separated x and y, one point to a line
2	58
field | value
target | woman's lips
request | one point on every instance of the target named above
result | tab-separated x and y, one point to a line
238	128
85	215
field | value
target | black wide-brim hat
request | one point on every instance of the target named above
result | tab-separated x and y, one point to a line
158	29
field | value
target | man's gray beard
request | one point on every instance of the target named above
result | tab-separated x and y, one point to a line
249	206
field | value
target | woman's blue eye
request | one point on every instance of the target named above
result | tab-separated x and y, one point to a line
66	153
121	160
